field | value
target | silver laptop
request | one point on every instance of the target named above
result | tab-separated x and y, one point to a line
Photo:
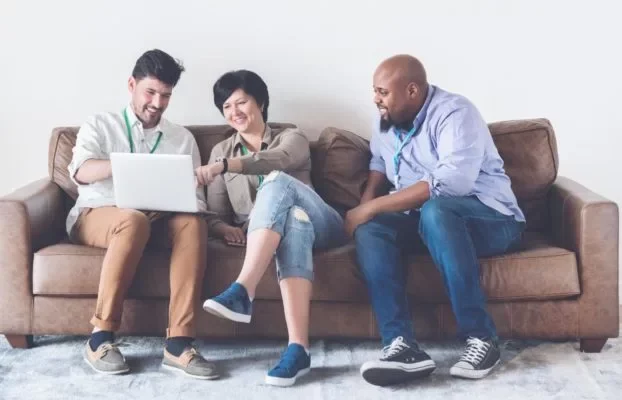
158	182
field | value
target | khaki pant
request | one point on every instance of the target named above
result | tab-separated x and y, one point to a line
125	233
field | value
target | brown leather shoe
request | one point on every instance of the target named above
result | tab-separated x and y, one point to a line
107	359
191	363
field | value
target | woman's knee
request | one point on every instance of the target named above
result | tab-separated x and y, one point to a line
298	224
276	182
272	193
278	177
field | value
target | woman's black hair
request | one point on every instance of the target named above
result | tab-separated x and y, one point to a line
249	82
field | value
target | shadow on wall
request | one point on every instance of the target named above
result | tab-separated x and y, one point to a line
312	115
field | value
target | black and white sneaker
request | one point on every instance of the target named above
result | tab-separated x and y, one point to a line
479	358
400	362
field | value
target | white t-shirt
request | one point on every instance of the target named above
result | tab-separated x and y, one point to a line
106	133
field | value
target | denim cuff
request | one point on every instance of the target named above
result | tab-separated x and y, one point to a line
295	272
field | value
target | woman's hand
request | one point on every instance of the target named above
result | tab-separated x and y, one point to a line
207	173
230	233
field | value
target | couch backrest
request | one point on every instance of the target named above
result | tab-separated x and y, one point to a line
529	151
528	148
340	162
64	139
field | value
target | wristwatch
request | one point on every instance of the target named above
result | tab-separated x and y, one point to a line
225	164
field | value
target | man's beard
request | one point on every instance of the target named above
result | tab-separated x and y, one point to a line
385	124
151	119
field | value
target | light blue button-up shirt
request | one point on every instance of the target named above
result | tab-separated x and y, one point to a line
452	150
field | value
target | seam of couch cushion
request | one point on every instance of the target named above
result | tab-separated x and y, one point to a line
530	257
548	296
68	254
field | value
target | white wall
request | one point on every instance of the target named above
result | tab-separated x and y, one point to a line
63	60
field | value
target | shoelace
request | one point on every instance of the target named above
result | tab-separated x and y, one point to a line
396	346
475	351
188	355
106	347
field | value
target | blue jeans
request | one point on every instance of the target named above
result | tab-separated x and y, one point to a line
456	231
305	222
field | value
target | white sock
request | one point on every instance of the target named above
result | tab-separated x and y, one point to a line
306	350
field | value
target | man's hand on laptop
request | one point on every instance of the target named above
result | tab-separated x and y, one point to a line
207	173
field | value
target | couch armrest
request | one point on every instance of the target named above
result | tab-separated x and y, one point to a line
30	218
587	223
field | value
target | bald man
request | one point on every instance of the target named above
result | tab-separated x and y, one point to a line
436	181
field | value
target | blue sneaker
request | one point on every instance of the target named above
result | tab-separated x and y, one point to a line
233	304
294	362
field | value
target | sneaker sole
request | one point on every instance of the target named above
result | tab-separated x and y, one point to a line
203	377
380	374
284	382
119	372
471	373
221	311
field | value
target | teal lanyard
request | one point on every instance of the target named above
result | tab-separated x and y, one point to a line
129	134
245	152
399	146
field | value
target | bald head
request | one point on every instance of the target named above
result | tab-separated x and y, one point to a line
400	90
405	68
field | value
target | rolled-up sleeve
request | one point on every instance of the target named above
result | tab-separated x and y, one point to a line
89	145
291	153
376	163
461	142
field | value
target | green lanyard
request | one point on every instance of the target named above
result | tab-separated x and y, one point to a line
245	152
129	134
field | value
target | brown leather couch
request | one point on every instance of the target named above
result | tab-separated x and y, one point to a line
562	283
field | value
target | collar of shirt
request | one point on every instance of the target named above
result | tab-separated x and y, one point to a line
133	120
265	140
420	117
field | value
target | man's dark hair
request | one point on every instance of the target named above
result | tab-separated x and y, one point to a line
158	64
249	82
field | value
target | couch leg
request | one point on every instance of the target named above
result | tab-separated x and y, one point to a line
592	345
20	341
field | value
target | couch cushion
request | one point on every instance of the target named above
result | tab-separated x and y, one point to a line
70	269
529	152
538	271
56	268
340	165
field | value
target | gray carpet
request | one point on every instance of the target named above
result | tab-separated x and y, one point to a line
54	369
